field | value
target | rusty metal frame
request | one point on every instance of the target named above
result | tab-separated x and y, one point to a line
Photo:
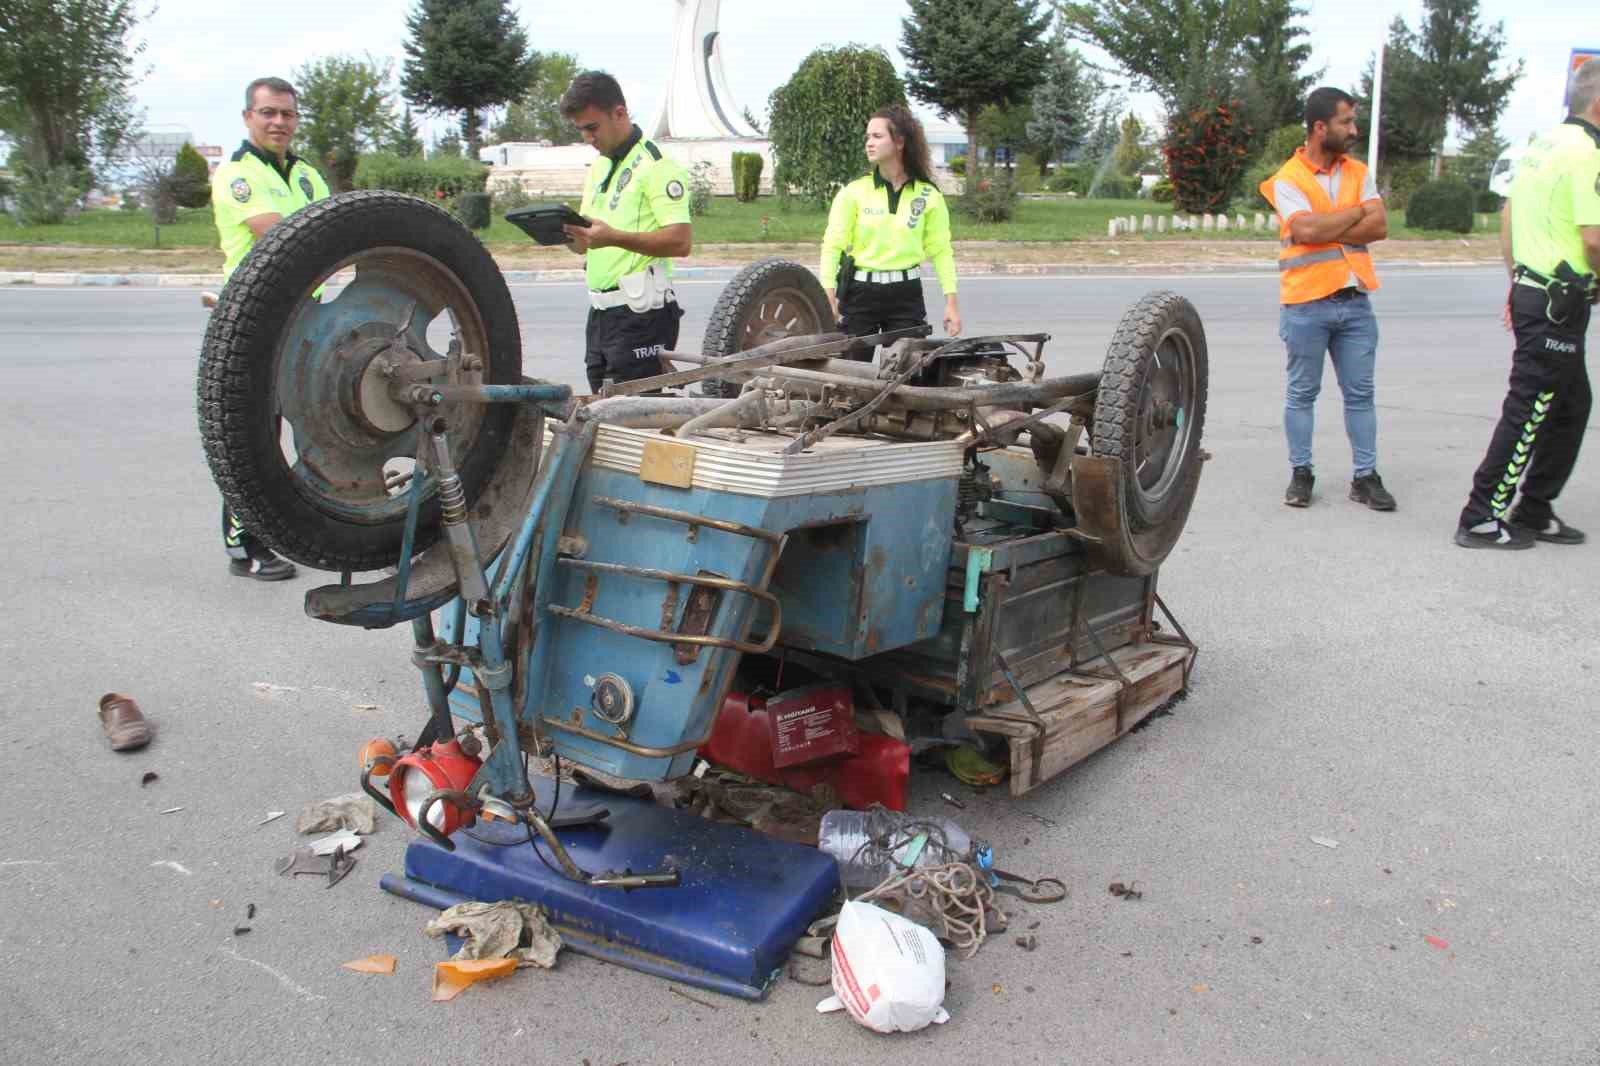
581	613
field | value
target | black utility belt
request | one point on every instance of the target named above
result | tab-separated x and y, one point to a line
1567	295
1349	292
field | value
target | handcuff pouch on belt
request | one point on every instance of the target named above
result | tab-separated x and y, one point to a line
1566	294
647	290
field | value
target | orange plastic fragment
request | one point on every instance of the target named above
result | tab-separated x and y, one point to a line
1437	941
371	964
454	976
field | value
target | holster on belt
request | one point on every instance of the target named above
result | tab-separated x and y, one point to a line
847	275
1566	294
644	291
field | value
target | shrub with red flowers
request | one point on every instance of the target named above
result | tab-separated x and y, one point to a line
1207	148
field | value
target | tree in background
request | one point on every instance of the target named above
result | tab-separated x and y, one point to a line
449	144
1477	157
1133	150
405	139
536	114
192	178
818	117
67	68
1207	150
1459	60
1004	131
965	55
1181	50
1066	105
345	111
1275	51
463	56
1410	124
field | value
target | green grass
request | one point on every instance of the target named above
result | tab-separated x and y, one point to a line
728	222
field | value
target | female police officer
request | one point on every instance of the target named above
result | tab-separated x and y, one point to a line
888	223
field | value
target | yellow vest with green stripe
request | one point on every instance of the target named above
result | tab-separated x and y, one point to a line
251	183
887	230
1556	190
636	189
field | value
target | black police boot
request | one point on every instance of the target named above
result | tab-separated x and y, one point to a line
270	568
1552	531
1495	534
1368	489
1298	494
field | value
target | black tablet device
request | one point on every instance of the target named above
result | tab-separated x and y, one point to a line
543	222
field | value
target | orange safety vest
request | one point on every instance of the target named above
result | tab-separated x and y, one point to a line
1309	272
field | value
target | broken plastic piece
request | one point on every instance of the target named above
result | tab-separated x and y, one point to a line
454	976
372	964
301	861
272	816
1325	842
327	845
149	776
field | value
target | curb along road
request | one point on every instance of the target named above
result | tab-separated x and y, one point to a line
57	280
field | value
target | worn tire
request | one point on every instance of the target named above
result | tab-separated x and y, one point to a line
1138	373
237	390
736	324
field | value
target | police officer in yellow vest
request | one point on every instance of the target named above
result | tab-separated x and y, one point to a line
1330	212
260	184
883	227
1550	239
637	204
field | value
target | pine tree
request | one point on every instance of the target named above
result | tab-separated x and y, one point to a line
406	138
463	56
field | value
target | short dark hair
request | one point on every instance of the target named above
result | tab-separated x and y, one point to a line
277	85
592	88
1324	103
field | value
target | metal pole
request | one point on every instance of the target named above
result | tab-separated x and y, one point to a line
1373	119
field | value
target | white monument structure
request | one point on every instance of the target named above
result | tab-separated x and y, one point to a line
698	120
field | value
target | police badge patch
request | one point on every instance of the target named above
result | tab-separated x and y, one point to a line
622	183
674	189
305	187
919	205
240	189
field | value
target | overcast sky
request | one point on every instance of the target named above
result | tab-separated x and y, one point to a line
202	53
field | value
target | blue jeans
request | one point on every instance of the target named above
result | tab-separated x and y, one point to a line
1347	331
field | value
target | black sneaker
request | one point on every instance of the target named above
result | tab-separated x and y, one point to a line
1368	489
1554	531
273	569
1298	494
1495	534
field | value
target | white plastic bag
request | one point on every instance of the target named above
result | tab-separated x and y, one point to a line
888	972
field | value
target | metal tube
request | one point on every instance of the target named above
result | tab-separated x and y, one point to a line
727	414
920	398
628	745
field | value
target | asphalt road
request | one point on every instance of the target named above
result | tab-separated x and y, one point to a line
1431	710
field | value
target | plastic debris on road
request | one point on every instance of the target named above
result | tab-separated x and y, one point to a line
887	972
453	977
384	964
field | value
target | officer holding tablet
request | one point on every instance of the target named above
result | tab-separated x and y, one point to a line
636	204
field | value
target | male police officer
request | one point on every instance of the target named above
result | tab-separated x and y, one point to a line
1550	239
260	184
1330	212
637	204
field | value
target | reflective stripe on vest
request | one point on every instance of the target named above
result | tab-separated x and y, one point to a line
1309	272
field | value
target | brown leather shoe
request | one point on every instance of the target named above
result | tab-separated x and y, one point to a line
123	722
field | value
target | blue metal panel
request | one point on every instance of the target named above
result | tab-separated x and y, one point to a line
743	901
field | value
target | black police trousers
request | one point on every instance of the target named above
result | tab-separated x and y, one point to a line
625	345
1542	421
868	308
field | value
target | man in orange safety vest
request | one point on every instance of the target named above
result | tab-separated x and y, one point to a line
1330	212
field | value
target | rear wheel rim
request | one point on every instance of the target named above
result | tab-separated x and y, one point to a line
783	311
1164	423
334	455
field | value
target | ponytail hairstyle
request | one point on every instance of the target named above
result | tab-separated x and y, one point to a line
914	149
